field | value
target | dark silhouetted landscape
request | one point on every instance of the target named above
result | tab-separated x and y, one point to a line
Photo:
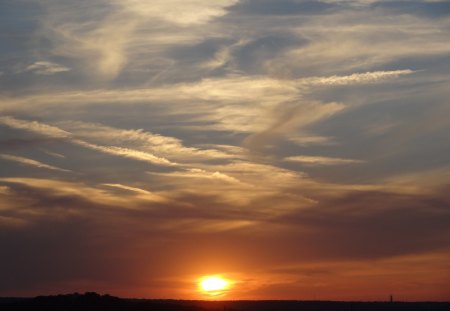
94	301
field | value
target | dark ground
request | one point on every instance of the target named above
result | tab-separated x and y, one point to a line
94	301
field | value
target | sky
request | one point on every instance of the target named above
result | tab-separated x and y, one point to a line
299	149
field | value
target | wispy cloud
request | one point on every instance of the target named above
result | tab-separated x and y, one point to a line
166	146
318	160
55	132
203	174
98	44
46	68
126	152
143	194
288	117
59	188
133	189
101	40
53	154
35	126
356	78
30	162
305	140
178	12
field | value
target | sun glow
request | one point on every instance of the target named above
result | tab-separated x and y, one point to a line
213	285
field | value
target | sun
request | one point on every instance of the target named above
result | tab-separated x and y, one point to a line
213	285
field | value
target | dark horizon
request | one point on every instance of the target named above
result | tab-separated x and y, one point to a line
88	293
94	301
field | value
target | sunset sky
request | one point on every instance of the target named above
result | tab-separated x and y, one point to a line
298	149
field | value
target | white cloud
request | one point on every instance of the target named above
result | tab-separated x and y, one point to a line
356	78
133	189
290	117
101	48
181	12
103	39
359	39
319	160
34	126
308	140
46	68
166	146
127	153
55	132
91	32
141	193
58	187
200	173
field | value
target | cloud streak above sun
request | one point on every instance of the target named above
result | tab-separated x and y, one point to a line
294	147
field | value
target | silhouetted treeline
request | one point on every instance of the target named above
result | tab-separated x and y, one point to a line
89	302
93	301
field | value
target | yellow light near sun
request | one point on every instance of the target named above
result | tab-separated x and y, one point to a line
213	285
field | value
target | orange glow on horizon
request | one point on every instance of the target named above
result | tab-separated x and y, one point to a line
214	285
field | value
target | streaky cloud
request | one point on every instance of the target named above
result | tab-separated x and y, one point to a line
181	13
133	189
34	126
127	153
318	160
30	162
55	132
357	78
46	68
143	194
167	146
53	154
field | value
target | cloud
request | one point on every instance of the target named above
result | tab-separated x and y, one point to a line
127	153
252	55
30	162
103	40
303	140
46	68
377	42
289	117
34	126
357	78
87	33
242	184
231	238
55	132
54	154
219	92
182	13
143	194
317	160
169	147
133	189
200	173
65	191
375	224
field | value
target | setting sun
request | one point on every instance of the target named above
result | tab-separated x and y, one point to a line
213	285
